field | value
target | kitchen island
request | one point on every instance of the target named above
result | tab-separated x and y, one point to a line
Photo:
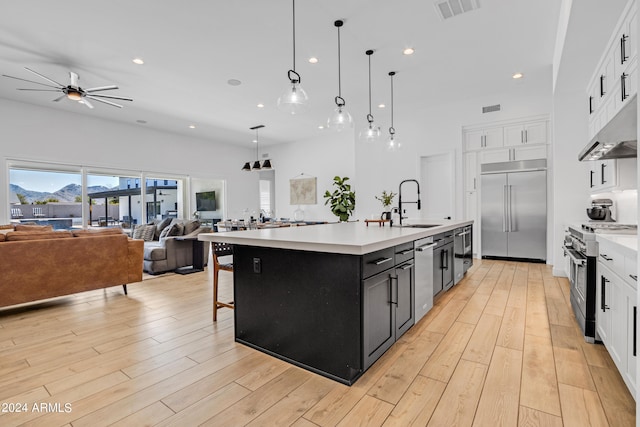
330	298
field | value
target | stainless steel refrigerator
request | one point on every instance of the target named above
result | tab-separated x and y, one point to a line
513	210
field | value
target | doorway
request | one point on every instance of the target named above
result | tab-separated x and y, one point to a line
437	181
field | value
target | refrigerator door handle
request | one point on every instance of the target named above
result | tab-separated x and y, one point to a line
510	223
504	209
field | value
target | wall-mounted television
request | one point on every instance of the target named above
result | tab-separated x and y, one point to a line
206	201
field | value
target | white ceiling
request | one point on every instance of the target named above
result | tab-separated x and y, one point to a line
192	48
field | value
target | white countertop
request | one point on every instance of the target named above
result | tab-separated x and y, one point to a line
628	243
354	238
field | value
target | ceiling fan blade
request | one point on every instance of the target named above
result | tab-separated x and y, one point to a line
103	101
59	98
111	97
86	102
41	90
95	89
44	77
31	81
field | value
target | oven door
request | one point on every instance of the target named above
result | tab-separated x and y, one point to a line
578	281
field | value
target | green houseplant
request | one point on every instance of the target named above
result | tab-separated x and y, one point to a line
342	200
387	200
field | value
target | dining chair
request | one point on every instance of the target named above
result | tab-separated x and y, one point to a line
219	250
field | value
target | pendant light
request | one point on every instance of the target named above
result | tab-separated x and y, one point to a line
294	100
372	132
256	165
340	119
392	143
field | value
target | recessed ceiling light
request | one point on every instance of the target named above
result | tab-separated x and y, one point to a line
234	82
518	76
260	105
320	127
313	60
381	105
138	61
192	126
408	51
141	121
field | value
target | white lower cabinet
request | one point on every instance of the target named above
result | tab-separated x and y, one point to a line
616	315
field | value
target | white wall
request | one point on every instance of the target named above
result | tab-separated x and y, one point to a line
45	134
324	157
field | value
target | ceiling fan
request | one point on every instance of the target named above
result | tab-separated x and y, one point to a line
73	90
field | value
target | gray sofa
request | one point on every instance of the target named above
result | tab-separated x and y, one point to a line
163	252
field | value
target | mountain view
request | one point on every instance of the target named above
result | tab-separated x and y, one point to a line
68	193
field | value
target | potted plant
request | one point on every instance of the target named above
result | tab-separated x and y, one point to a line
342	200
387	200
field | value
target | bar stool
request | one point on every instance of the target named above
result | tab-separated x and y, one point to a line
220	249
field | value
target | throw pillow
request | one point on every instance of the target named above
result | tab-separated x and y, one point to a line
191	226
144	232
161	226
175	229
2	238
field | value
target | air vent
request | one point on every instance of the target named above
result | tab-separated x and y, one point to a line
450	8
490	108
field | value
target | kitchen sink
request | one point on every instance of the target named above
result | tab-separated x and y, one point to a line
421	225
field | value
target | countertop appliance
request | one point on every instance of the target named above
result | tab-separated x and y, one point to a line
514	210
462	252
423	261
600	210
442	262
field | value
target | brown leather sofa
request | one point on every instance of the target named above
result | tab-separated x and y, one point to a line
39	264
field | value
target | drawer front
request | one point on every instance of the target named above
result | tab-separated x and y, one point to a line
611	257
403	252
631	271
376	262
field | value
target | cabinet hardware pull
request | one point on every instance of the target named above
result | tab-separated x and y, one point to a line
391	279
592	173
591	105
522	136
602	166
606	258
474	183
602	86
446	257
623	86
635	322
425	247
526	136
623	49
407	251
382	261
603	293
406	266
634	277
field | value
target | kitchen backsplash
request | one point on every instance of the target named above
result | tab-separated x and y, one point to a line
625	205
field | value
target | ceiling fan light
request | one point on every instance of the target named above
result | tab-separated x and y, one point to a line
74	95
246	167
294	100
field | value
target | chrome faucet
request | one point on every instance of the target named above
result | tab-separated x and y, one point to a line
400	197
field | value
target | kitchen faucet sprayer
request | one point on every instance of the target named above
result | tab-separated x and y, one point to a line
400	197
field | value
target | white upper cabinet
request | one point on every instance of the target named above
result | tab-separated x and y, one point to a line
614	81
527	133
483	138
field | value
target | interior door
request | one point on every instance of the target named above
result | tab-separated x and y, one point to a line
527	222
437	187
493	214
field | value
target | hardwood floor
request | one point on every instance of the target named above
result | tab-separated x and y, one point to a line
500	349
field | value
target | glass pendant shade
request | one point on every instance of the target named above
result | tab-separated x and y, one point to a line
340	120
393	145
294	100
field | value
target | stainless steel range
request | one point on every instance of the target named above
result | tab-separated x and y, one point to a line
581	251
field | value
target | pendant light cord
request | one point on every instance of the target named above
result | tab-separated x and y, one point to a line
339	99
294	35
392	130
369	116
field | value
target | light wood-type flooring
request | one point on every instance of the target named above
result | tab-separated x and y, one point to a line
500	348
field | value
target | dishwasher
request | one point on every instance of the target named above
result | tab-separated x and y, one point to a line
423	261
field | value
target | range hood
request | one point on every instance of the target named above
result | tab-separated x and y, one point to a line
618	139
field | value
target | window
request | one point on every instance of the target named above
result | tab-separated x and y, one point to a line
113	200
267	193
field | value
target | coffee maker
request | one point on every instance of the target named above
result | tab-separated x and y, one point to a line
600	210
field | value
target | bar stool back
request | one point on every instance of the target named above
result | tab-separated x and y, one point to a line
220	249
